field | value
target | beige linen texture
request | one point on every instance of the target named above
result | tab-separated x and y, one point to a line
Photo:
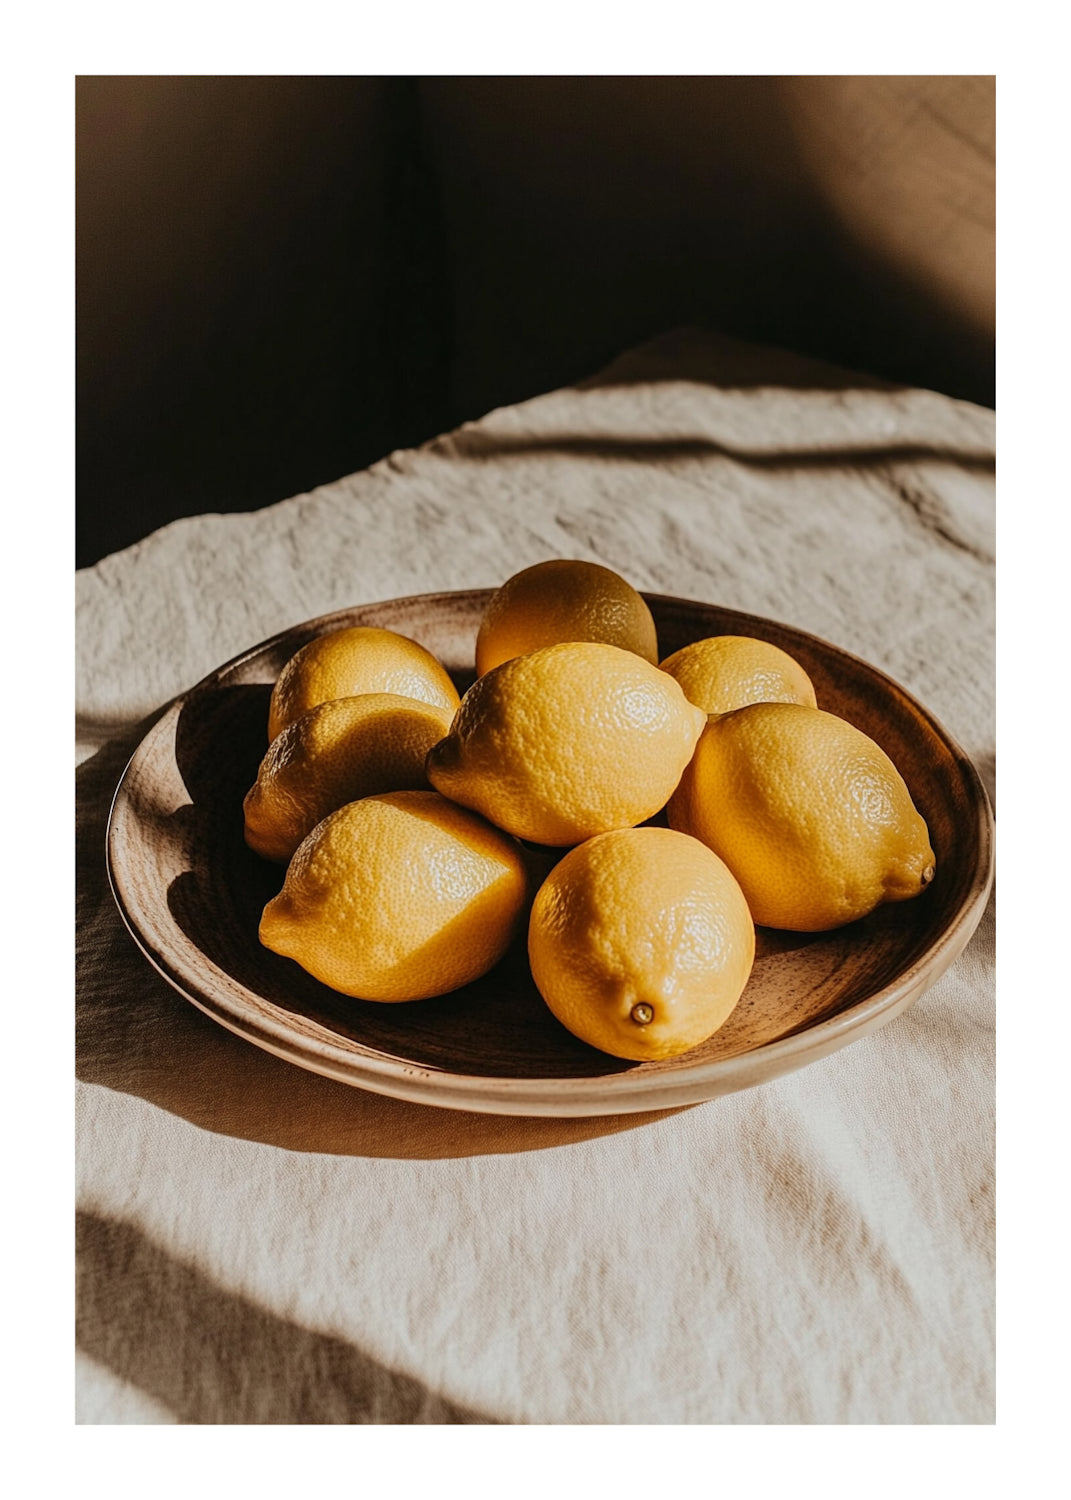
260	1245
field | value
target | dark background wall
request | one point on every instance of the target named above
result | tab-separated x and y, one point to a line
279	280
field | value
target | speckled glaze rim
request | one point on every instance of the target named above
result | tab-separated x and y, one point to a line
617	1093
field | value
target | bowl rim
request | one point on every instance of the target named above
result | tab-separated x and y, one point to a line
625	1092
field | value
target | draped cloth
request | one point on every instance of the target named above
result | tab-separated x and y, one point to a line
257	1244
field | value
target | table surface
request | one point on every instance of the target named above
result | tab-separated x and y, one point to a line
260	1245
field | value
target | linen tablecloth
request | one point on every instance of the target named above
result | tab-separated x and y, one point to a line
260	1245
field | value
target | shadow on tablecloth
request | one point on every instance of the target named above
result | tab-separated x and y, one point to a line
137	1035
138	1305
609	447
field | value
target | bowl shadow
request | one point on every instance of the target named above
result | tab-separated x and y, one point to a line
136	1034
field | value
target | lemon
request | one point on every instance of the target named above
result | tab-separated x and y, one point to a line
725	672
563	600
568	741
641	942
337	753
361	659
399	897
811	816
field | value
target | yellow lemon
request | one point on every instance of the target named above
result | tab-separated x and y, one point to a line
641	942
362	659
399	897
563	600
811	816
568	741
725	672
337	753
